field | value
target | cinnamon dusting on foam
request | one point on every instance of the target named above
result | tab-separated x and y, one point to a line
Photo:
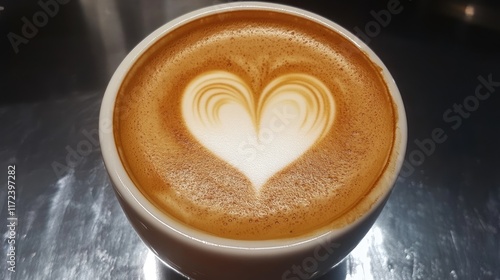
189	182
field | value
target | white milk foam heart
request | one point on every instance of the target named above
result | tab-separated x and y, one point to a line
257	137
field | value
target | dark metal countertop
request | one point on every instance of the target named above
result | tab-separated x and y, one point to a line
441	222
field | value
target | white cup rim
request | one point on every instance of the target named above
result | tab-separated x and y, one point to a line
129	193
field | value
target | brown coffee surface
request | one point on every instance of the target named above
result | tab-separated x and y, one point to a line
191	183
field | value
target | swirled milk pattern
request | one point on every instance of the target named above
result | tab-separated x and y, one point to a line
259	134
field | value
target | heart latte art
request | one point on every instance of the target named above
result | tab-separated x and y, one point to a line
258	137
256	125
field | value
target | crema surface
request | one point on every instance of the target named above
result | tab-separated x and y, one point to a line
255	125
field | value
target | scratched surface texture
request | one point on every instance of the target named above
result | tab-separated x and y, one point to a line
442	220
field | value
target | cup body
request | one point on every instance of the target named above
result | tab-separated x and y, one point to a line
202	256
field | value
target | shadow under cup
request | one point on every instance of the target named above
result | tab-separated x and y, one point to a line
199	255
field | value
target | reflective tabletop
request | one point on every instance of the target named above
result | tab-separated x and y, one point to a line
59	216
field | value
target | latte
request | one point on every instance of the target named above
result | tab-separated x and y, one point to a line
255	125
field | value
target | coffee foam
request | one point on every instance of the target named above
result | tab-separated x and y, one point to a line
163	142
257	137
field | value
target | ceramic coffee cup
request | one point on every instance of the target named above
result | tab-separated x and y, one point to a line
200	255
